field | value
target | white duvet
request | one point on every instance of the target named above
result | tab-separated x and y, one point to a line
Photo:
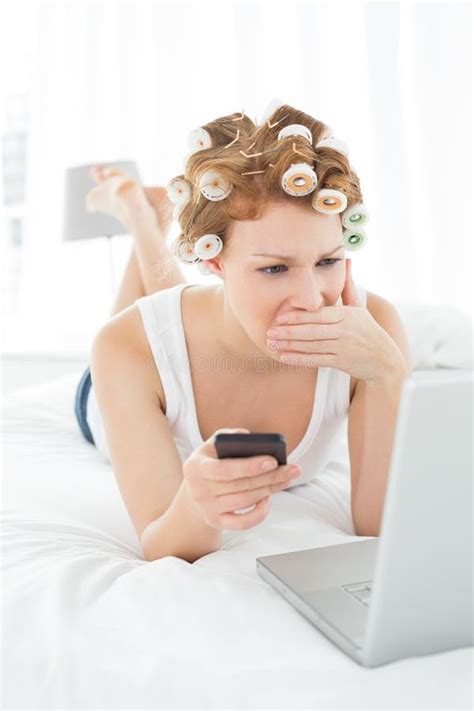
87	624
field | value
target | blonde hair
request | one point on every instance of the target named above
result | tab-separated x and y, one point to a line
252	190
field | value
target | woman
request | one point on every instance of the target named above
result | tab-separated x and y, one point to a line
176	364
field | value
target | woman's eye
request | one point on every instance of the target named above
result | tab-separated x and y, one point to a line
275	266
278	266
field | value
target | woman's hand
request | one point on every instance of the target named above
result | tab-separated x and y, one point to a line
345	337
219	487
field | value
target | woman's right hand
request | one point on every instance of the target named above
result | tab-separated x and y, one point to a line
219	487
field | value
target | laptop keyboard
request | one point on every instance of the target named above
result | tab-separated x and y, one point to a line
361	591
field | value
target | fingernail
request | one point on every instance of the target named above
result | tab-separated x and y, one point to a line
266	464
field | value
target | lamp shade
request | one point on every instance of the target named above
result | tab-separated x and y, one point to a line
77	222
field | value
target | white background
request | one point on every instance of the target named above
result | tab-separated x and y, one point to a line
113	80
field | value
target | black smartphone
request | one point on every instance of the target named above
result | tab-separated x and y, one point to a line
240	444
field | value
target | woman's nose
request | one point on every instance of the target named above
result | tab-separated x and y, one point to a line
307	294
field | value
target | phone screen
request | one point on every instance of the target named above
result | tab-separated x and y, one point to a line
240	444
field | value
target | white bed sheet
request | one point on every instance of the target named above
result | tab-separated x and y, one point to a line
87	623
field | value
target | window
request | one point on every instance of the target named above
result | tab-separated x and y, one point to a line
14	150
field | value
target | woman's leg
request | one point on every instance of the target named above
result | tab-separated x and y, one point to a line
131	287
151	265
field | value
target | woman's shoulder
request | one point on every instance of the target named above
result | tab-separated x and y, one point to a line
125	330
129	321
129	329
126	327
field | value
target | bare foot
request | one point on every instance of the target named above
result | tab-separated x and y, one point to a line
120	196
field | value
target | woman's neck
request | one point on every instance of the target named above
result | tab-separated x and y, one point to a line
232	341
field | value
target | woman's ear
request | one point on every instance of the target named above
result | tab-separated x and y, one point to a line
215	266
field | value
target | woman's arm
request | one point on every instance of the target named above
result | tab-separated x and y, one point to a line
179	532
143	453
372	421
373	417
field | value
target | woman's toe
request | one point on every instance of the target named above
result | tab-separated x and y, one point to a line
96	172
101	173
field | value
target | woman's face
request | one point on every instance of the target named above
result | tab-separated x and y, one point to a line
259	287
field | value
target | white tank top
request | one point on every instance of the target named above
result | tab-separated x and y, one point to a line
163	324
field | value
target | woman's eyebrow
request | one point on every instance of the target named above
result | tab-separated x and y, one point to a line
288	257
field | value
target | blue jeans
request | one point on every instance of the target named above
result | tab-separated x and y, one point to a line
80	405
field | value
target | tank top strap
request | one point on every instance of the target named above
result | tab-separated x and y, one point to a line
161	317
162	320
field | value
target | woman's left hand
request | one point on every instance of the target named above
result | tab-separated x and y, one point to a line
345	337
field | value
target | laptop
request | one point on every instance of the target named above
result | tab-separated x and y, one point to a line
408	592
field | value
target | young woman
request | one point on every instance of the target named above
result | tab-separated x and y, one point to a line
178	362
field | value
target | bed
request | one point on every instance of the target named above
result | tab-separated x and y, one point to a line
88	624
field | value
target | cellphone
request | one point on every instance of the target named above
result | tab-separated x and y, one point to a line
240	444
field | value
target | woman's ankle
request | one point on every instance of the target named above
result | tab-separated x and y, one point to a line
138	214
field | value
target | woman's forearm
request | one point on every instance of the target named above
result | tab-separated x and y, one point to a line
180	532
381	404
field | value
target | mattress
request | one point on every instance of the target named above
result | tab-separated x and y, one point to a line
87	623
